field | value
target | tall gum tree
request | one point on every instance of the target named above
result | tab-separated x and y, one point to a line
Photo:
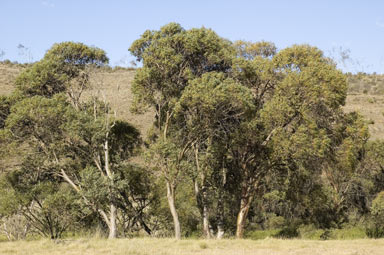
83	140
298	93
208	112
171	57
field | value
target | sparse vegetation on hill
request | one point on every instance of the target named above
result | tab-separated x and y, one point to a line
368	84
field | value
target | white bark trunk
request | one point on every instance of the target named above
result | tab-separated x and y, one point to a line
220	232
172	207
206	225
112	221
220	221
113	209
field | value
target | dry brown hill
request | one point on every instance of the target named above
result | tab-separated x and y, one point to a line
115	86
366	95
8	73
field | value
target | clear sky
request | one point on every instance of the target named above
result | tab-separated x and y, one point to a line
335	26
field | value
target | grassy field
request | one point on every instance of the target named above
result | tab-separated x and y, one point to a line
196	247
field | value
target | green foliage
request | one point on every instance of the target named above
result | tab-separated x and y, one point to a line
49	206
94	186
348	233
375	232
5	106
212	106
39	113
8	198
249	50
261	234
62	69
311	232
77	54
287	232
124	139
377	211
171	58
42	79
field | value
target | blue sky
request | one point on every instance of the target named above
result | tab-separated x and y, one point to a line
353	27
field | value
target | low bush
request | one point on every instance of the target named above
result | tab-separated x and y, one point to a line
261	234
288	232
310	232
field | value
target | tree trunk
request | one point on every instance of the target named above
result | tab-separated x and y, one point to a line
112	222
206	225
245	203
172	207
220	205
113	210
145	226
201	198
220	218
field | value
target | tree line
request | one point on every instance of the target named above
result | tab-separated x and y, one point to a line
245	136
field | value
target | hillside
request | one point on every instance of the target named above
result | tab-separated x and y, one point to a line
365	95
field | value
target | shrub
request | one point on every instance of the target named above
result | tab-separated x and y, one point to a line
377	209
371	100
274	222
376	229
375	232
288	232
261	234
348	233
310	232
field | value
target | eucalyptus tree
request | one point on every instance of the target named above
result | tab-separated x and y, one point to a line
82	142
64	68
298	95
171	57
343	173
49	206
208	112
86	149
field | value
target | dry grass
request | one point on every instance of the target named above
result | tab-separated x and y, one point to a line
196	247
372	108
115	87
8	74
